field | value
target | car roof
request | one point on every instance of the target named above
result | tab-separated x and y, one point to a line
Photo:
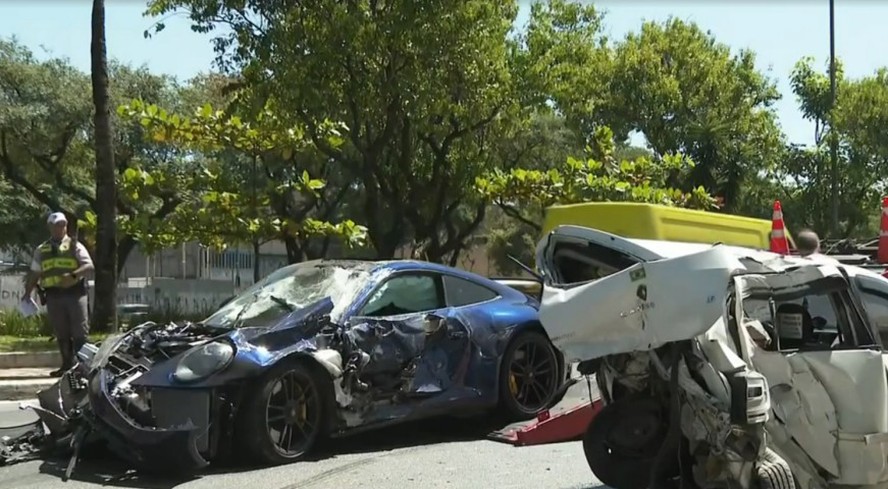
673	249
375	266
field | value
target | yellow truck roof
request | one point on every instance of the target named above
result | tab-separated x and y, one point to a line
653	221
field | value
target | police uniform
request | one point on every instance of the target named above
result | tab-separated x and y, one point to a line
66	295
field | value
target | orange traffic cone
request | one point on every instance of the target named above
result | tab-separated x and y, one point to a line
779	243
882	254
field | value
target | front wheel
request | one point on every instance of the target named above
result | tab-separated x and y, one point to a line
530	375
285	415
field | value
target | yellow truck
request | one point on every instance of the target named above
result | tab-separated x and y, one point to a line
659	222
655	222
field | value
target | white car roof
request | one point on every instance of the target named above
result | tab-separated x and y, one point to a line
672	249
660	249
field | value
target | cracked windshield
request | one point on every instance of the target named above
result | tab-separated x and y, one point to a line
390	244
287	290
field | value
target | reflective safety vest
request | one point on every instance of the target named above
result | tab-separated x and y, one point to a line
56	264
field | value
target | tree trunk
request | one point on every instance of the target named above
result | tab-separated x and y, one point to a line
105	308
294	249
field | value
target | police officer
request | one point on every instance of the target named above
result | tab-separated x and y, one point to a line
59	267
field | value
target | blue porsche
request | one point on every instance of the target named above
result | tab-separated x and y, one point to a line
316	349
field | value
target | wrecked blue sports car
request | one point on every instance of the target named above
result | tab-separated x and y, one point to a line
316	349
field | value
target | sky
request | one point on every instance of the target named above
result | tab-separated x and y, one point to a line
780	32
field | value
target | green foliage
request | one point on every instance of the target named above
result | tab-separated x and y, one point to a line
562	58
591	180
22	220
217	207
426	92
47	154
688	94
13	323
856	121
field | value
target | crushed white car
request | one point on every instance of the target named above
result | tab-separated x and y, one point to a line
721	366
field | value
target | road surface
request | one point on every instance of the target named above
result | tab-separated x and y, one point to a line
434	454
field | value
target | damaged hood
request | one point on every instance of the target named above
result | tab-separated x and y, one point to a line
640	308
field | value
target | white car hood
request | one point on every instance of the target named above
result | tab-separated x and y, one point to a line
642	307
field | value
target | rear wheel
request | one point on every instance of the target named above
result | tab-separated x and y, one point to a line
622	441
530	375
284	417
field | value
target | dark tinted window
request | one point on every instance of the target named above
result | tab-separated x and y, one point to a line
460	292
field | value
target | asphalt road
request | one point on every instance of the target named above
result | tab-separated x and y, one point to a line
434	454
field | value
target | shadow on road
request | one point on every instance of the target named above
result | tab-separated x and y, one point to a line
100	466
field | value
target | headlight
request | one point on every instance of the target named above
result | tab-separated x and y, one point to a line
203	361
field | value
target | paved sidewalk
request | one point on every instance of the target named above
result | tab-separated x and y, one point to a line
23	383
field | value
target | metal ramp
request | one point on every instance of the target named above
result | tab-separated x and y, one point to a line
566	421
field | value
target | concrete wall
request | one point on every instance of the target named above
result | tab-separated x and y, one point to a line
235	264
189	296
11	291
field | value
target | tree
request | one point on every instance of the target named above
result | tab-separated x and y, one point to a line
230	198
564	61
671	82
42	118
105	309
22	220
47	144
424	89
687	93
856	121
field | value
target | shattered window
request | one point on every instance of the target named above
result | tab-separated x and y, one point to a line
289	289
816	320
460	292
404	294
577	263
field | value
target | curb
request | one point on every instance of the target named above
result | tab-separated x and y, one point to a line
39	359
23	389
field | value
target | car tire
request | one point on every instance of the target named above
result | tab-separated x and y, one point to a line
268	411
628	466
519	407
774	473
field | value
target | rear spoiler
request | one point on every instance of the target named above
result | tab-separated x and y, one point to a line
527	286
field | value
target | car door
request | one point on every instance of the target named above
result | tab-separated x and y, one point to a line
829	394
470	325
412	334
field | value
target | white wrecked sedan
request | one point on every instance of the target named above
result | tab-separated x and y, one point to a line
721	366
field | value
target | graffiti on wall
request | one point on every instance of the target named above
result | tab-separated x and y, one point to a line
181	296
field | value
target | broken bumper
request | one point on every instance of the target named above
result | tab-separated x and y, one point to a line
174	449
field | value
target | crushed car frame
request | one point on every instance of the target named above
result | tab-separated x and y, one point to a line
721	367
316	349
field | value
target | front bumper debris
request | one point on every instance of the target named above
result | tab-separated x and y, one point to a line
171	448
73	408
